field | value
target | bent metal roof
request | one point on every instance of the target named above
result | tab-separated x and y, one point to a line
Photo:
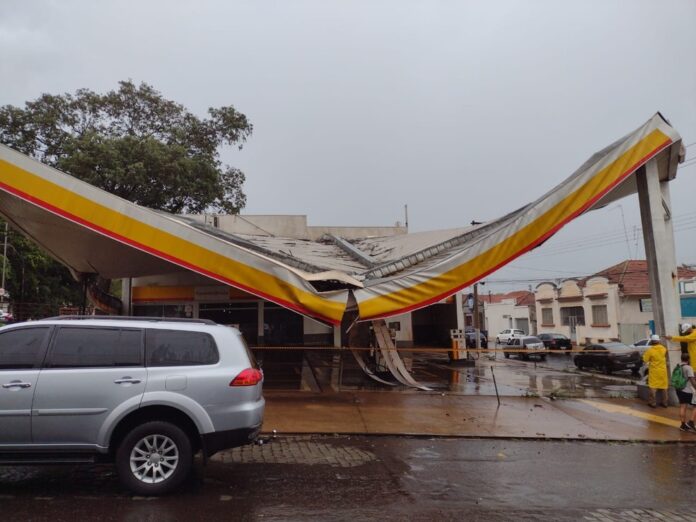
92	231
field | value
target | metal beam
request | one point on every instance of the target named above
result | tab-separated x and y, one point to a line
353	251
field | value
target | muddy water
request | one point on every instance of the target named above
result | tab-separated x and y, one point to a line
309	370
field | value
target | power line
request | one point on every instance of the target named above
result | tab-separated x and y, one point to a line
577	276
676	218
597	243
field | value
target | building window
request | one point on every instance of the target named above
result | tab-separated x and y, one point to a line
573	316
599	315
547	316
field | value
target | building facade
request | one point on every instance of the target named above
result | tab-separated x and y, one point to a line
611	305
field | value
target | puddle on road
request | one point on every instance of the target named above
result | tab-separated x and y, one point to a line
331	370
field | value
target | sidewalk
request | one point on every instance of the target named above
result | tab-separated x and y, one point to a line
431	414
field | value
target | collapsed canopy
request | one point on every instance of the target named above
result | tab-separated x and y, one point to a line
92	231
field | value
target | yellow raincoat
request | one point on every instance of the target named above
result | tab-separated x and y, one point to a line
655	358
691	339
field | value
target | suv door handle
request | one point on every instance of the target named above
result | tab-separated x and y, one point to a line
126	380
17	384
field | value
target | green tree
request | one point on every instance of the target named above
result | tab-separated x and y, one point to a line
38	286
136	144
131	142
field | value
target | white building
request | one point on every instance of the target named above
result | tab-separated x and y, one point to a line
613	304
512	310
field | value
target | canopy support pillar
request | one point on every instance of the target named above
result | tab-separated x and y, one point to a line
658	235
126	295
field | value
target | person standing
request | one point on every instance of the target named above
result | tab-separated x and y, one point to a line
655	359
686	394
688	335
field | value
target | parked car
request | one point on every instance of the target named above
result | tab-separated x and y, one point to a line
641	346
470	337
533	347
146	394
555	341
504	336
471	329
609	358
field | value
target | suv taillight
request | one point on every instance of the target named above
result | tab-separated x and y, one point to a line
248	377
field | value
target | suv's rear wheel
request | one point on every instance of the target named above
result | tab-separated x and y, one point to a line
154	458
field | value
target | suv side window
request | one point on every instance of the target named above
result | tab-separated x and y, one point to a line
80	347
180	348
21	348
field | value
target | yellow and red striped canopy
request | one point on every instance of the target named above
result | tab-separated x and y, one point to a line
92	231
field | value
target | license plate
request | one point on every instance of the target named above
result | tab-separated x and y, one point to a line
631	365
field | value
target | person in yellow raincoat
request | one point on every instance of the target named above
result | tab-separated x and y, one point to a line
655	359
688	336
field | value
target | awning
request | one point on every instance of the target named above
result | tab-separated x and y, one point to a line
92	231
606	177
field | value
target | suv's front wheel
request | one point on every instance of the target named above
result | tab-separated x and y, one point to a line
154	458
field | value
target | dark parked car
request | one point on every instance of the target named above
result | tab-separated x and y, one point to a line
555	341
471	339
609	357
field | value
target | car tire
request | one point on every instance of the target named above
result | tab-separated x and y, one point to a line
171	446
507	355
543	358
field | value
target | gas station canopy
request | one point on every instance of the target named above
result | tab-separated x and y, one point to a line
94	232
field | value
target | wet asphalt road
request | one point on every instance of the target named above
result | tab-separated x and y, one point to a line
381	478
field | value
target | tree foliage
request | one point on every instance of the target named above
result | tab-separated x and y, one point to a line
136	144
131	142
37	284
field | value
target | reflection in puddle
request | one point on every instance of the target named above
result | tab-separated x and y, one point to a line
333	370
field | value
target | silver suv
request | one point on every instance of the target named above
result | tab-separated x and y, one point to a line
145	393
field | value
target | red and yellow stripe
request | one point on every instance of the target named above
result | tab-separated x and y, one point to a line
528	237
125	229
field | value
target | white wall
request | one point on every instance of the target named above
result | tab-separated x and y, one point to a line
500	316
404	336
294	226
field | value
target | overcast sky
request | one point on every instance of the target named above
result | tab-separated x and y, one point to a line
462	110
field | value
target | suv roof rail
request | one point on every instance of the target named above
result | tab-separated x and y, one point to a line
129	318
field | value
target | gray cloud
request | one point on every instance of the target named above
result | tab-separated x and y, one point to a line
463	110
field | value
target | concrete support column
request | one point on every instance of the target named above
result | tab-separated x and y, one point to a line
459	303
337	336
655	214
260	319
127	295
